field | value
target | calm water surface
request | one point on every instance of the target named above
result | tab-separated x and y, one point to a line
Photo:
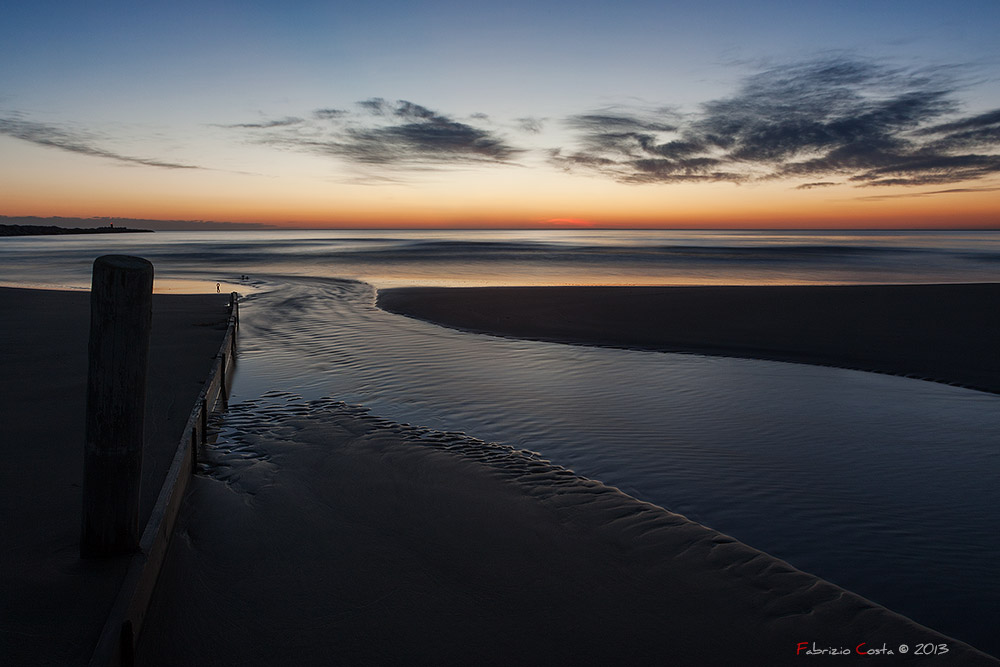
883	485
392	258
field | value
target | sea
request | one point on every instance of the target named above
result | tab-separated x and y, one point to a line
884	485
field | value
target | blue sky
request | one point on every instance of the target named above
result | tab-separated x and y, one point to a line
167	85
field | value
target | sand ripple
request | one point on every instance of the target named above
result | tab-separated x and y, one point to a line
867	480
324	533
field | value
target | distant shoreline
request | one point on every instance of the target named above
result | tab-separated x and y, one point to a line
52	230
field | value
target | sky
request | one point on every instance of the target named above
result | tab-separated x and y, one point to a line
711	113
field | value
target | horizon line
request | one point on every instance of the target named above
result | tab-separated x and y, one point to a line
277	226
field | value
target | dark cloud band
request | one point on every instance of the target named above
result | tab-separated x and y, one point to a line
398	134
866	124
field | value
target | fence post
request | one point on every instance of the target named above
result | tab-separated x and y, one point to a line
121	300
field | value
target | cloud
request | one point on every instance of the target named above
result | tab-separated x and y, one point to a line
836	118
949	191
811	186
622	122
326	114
931	169
268	124
990	119
376	106
74	141
530	124
397	135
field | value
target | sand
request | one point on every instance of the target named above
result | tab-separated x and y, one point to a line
54	603
945	333
321	535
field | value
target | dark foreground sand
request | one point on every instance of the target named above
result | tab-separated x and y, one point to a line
320	535
947	333
53	603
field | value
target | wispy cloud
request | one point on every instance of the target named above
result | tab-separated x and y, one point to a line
327	114
280	122
931	193
74	141
843	118
397	135
811	186
530	124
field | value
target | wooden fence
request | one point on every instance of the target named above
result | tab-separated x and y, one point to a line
116	645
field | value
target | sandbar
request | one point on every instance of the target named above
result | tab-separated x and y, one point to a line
946	333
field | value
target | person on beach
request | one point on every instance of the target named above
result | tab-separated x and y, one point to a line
218	287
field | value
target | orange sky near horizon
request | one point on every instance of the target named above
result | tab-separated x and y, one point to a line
498	198
932	213
941	216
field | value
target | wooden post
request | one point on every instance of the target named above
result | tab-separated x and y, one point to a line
121	300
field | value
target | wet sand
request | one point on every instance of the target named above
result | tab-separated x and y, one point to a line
54	603
320	535
945	333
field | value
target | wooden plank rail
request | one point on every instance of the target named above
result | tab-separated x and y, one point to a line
116	644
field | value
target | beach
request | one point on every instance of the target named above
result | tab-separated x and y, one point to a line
321	532
55	604
945	333
502	334
336	537
317	532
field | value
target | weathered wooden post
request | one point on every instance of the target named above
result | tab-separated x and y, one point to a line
121	300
